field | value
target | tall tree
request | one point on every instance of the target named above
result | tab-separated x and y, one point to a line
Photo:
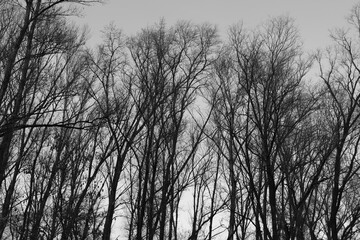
339	70
261	102
169	69
39	51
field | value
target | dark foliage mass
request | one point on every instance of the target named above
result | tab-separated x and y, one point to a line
174	134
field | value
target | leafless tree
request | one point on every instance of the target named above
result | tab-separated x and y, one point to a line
339	70
262	101
39	92
169	69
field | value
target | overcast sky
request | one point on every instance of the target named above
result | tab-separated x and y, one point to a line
314	18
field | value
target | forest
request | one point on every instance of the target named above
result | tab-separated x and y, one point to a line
175	132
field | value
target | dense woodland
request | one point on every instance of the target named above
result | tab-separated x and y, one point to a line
176	133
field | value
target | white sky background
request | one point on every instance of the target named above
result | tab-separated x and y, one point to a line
314	18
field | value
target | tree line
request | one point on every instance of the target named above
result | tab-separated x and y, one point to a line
174	133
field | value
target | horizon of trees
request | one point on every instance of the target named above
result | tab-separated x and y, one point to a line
174	133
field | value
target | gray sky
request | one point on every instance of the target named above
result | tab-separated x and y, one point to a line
314	18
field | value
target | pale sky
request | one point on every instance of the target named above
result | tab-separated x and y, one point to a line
314	18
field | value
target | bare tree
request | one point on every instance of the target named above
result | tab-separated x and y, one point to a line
169	67
40	74
340	75
261	102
